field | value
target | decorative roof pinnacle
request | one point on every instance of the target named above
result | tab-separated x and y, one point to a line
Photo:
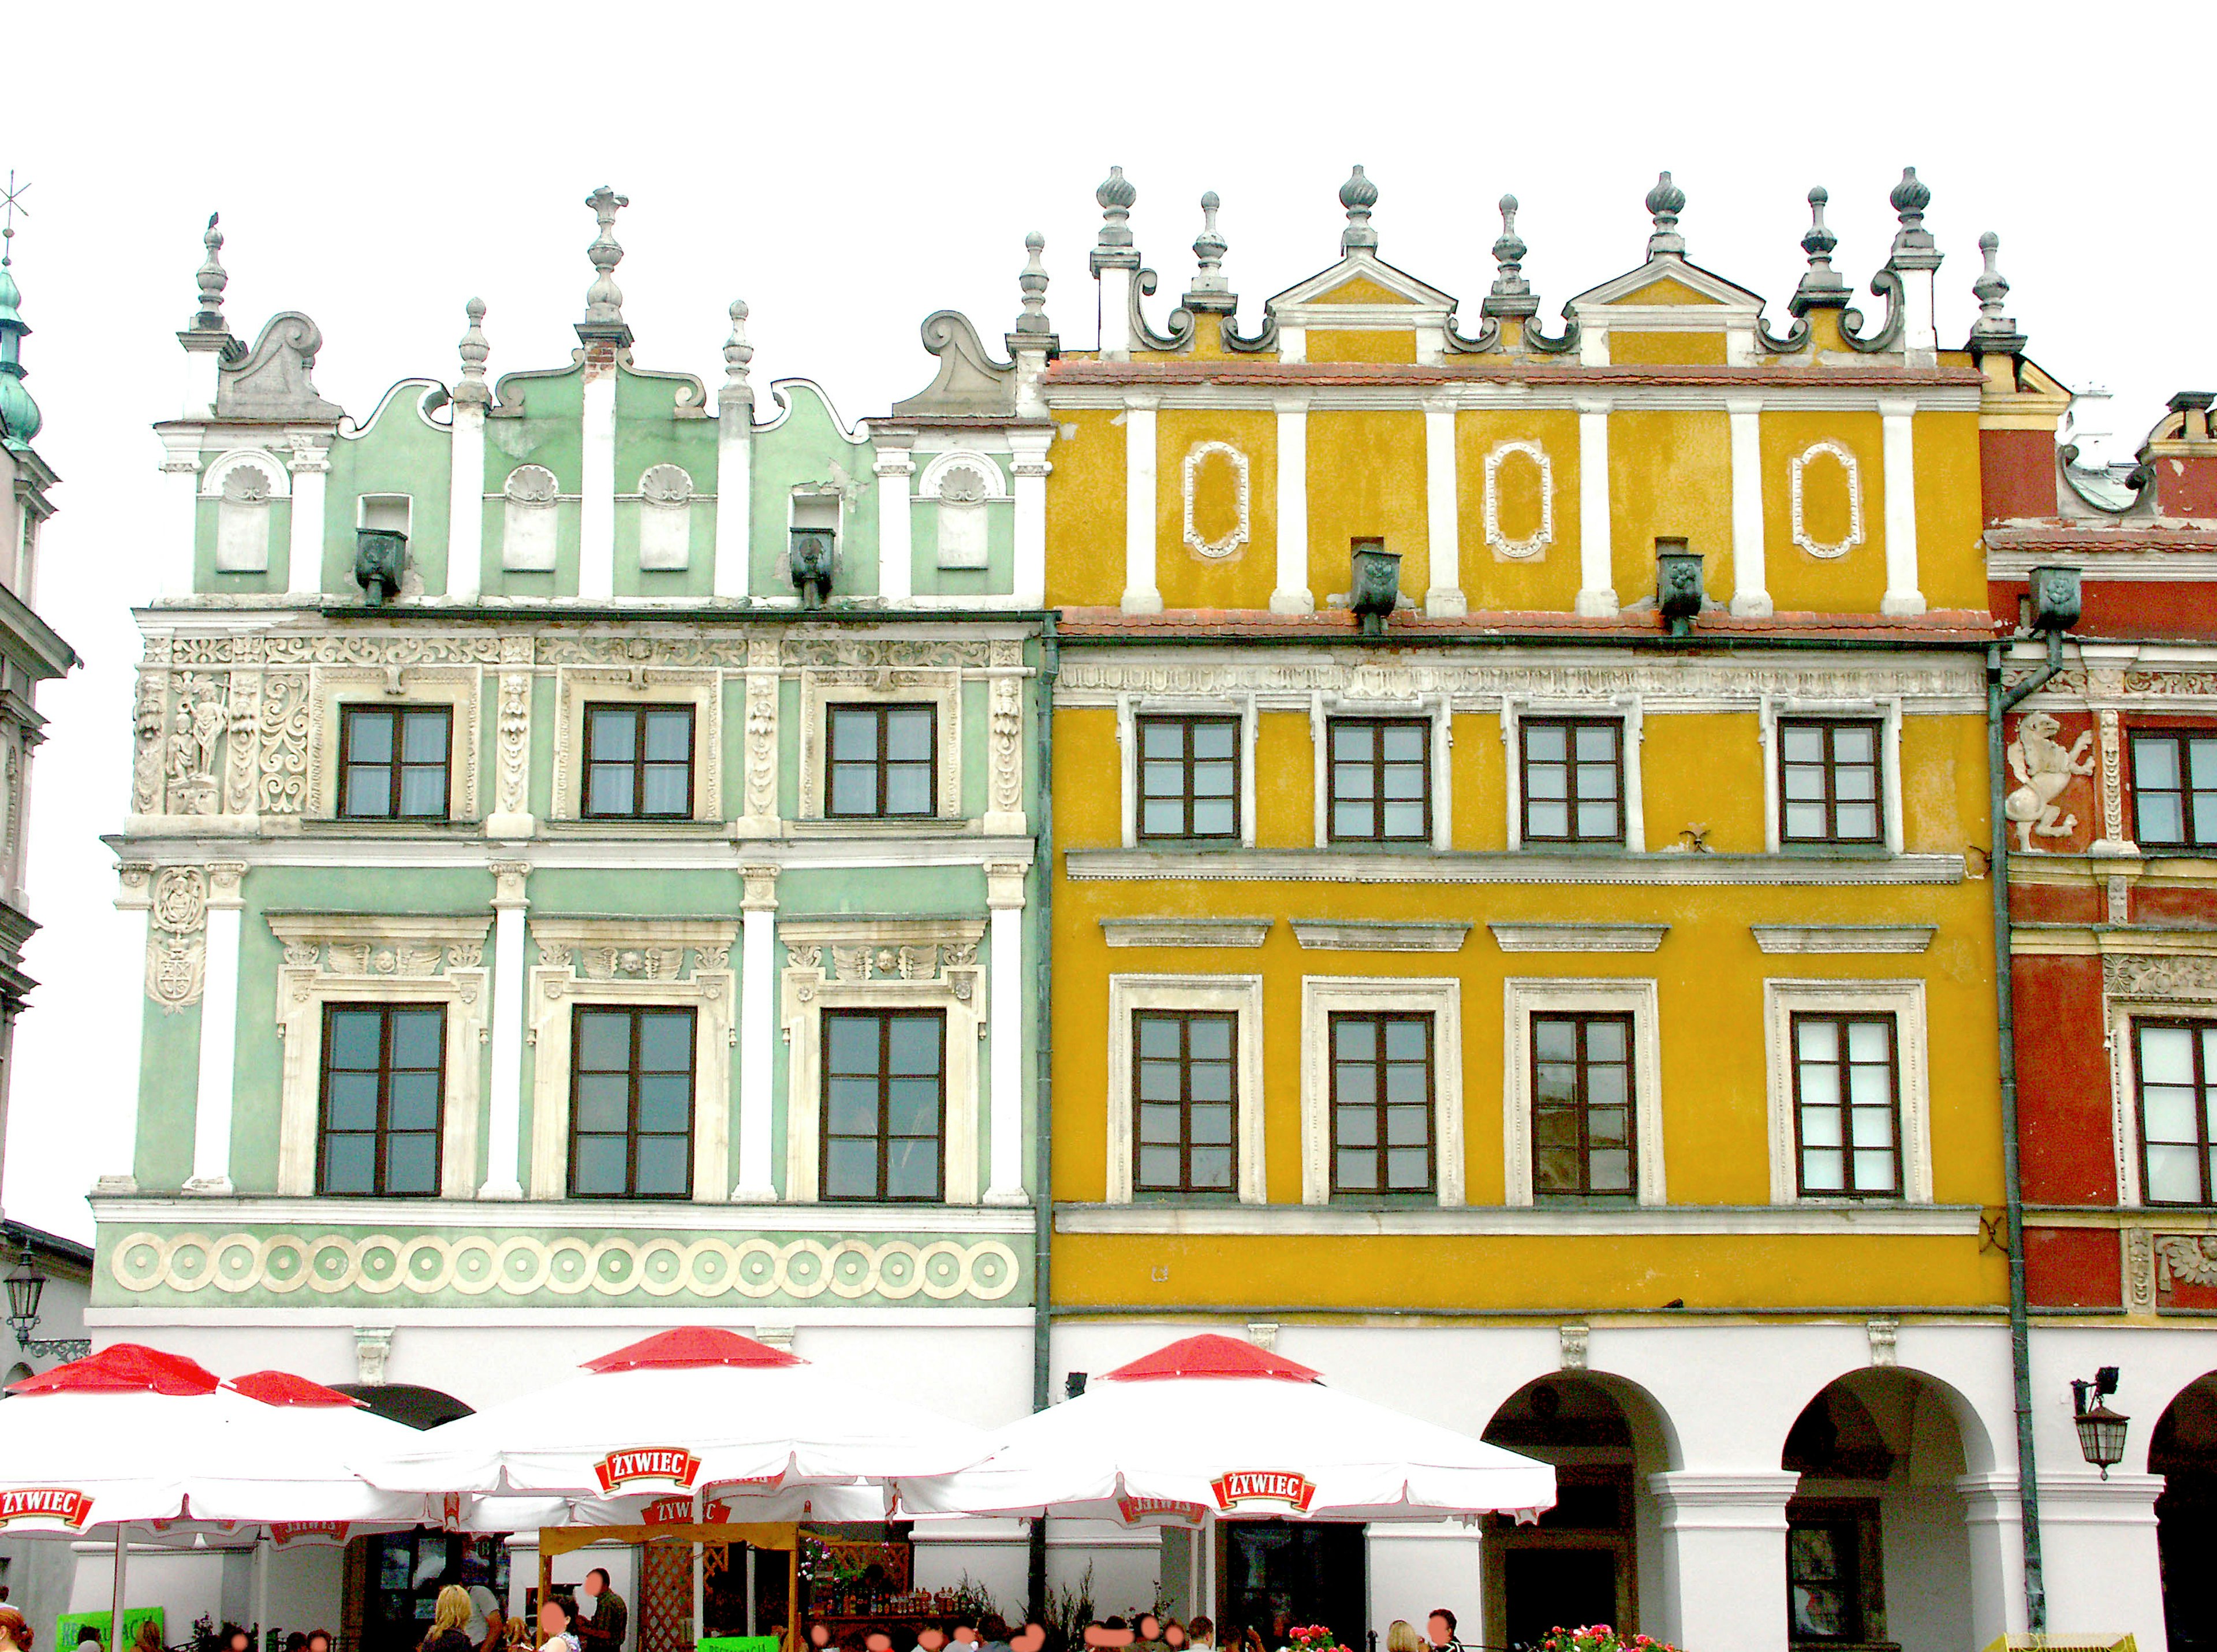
1665	202
1032	283
1115	249
1210	291
472	391
737	391
19	415
213	278
604	299
1993	331
1821	286
1358	194
1913	245
1511	295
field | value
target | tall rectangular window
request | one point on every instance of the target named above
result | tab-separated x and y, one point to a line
1828	790
1380	774
883	761
392	762
639	763
885	1103
2175	1068
1573	780
384	1074
1581	1108
2175	787
631	1104
1823	1595
1189	778
1187	1072
1381	1103
1847	1106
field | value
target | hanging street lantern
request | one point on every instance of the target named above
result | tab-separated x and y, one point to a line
2101	1430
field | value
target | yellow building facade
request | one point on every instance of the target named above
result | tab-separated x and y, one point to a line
1547	994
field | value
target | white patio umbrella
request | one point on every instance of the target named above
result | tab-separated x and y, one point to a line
694	1412
1209	1426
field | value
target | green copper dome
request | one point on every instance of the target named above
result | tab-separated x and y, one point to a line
19	414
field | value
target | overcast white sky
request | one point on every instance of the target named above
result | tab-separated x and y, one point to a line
849	169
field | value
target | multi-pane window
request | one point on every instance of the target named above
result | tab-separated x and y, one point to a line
631	1104
1828	781
639	763
1824	1601
1847	1113
1381	1103
1582	1106
384	1068
2175	787
1190	778
885	1095
2175	1066
882	761
1573	780
1187	1078
1380	780
392	762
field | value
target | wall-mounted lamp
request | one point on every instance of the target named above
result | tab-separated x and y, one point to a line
2101	1430
26	1285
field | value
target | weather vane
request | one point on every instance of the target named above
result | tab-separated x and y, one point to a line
11	203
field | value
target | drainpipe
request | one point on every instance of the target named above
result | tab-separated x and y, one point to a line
2000	702
1043	1080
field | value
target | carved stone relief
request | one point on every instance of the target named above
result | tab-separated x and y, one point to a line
176	938
759	801
1796	469
2185	1259
1005	767
2044	770
1236	533
1535	542
2140	1270
1688	680
2136	976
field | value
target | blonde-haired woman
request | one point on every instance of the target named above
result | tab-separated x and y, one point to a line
450	1617
1402	1636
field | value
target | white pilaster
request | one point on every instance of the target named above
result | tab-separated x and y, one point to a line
181	463
2098	1554
1903	595
466	505
1293	595
597	509
311	465
218	1033
1721	1532
1004	897
1140	594
757	1033
1597	597
735	470
896	544
1442	512
134	893
1993	1530
1750	575
505	1131
1115	313
1028	463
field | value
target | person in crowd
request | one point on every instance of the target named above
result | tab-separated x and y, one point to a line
237	1640
1149	1631
554	1634
1440	1628
14	1631
450	1617
295	1641
1401	1636
994	1632
149	1638
87	1632
1174	1636
495	1638
1202	1633
319	1640
604	1630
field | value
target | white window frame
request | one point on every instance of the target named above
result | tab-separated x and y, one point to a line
346	958
1631	710
577	687
460	689
1524	997
1441	996
1130	708
632	964
833	963
1902	998
821	689
2124	1100
1886	713
1435	708
1239	995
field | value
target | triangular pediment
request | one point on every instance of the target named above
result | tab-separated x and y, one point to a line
1360	280
1668	282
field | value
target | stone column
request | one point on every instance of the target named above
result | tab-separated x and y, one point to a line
1724	1538
2098	1554
504	1132
311	465
1750	575
1029	467
1140	593
181	463
466	490
735	467
134	893
219	1032
1994	1534
1293	595
1903	595
1443	512
1004	898
757	1010
1597	597
596	508
896	548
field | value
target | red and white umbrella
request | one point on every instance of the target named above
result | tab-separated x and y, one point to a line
1211	1426
692	1413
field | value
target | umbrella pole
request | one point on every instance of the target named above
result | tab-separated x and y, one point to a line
122	1560
793	1638
701	1571
260	1591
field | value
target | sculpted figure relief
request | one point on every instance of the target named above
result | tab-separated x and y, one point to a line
2044	770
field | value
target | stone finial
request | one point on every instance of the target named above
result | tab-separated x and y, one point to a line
1358	194
1032	283
1116	249
213	278
1993	331
604	299
473	391
1211	292
1821	286
737	391
1511	295
1913	245
1665	202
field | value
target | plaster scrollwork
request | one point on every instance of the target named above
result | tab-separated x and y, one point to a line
2140	1270
2185	1259
1796	469
513	774
1535	543
1297	679
242	748
1005	803
2113	776
176	938
2181	684
1243	496
837	653
760	783
284	728
2044	770
2126	974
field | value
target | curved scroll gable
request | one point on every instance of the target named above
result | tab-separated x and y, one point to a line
969	381
274	382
